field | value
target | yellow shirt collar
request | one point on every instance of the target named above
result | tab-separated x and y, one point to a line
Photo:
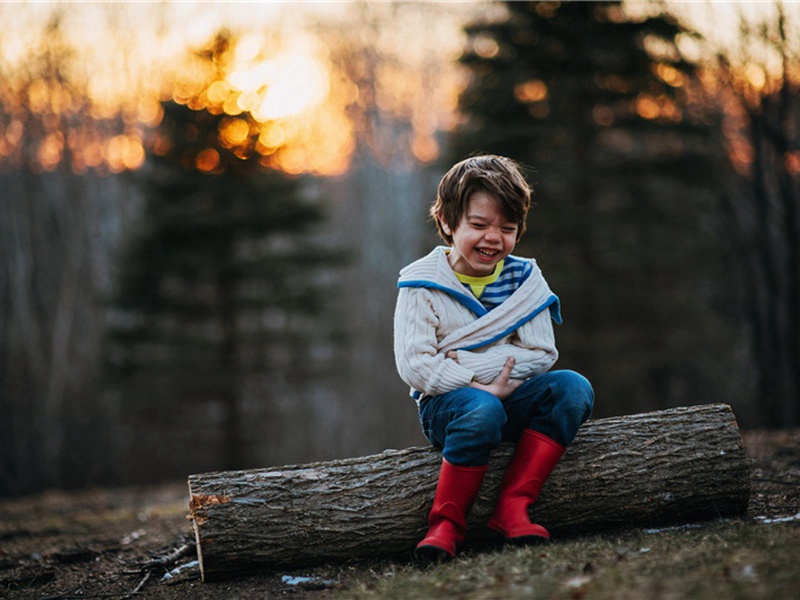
476	284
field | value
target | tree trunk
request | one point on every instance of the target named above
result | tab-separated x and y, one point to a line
673	465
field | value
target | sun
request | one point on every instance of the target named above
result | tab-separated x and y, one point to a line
291	82
285	102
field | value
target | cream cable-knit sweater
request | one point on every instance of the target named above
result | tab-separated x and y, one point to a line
435	313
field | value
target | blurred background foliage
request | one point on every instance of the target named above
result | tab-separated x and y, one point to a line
201	225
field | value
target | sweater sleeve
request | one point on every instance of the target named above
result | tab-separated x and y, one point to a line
418	360
532	346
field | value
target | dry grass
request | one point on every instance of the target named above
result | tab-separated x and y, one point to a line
736	559
729	559
92	545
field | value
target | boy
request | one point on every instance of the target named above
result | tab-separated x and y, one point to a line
473	338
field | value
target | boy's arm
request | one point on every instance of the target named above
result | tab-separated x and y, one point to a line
418	360
532	347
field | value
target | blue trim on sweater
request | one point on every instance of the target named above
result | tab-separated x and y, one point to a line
469	301
555	309
553	303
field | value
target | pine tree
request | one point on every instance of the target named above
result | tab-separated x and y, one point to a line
221	299
596	103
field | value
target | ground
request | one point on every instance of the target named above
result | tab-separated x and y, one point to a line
137	543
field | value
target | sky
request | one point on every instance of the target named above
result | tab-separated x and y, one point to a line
131	53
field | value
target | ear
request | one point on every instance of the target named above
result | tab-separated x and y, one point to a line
445	226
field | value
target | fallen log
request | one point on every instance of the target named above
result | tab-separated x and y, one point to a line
676	465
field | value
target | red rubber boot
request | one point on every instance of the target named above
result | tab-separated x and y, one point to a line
534	459
447	521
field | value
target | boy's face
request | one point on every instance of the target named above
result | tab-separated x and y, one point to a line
482	238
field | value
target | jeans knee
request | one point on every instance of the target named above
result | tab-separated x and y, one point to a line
578	397
484	419
575	386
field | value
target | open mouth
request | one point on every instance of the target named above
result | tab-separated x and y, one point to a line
487	253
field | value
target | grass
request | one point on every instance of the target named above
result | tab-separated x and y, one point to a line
720	560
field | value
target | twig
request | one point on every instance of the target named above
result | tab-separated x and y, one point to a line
170	559
141	583
76	593
62	595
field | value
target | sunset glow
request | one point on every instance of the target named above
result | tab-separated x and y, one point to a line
303	84
291	97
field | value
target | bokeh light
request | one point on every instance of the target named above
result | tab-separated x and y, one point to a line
84	83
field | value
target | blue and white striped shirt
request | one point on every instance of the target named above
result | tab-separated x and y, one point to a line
494	289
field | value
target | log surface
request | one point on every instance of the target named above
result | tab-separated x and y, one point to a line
675	465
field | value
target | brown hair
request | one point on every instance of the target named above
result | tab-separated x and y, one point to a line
497	175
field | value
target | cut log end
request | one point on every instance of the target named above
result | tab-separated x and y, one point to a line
679	464
198	519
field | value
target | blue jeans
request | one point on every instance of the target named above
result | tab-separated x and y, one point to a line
467	423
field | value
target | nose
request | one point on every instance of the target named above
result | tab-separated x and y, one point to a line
493	235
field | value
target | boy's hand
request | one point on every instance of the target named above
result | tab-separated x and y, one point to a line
501	386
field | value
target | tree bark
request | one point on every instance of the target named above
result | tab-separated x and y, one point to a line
674	465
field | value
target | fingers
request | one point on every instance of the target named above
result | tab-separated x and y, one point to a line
506	385
505	372
502	385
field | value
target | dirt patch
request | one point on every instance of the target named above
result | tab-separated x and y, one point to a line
81	544
137	542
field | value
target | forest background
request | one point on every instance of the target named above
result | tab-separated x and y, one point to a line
204	208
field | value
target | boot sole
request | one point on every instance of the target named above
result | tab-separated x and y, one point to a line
527	540
425	556
499	540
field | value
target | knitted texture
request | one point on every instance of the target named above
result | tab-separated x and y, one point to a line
435	314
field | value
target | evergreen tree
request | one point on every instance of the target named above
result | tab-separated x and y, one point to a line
221	299
760	98
596	102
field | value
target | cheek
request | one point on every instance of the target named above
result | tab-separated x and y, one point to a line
465	237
